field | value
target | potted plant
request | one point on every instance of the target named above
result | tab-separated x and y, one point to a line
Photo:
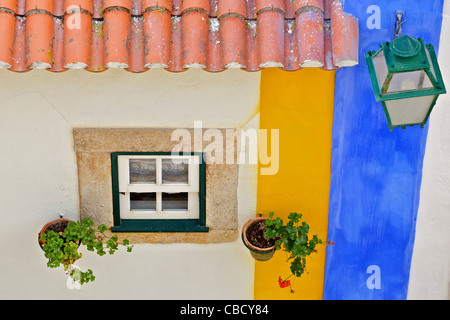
61	238
261	248
291	237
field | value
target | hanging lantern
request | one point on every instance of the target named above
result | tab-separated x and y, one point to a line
406	79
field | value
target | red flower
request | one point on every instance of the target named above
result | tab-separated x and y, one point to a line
283	284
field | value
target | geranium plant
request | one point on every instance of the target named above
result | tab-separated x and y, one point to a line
292	238
61	248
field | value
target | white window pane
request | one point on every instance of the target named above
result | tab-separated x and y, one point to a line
175	171
175	201
143	171
143	201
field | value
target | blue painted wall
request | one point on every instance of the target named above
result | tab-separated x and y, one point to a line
376	174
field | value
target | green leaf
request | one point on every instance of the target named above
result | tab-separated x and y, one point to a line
291	230
87	222
270	233
305	227
293	216
102	228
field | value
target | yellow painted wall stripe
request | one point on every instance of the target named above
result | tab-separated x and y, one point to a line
300	105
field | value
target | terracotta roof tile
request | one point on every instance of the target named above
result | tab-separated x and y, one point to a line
38	37
9	5
307	5
68	6
7	22
310	38
76	56
231	7
138	35
270	32
344	28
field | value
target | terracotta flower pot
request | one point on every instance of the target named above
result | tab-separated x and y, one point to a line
258	253
50	225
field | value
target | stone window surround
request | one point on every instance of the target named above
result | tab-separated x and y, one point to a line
93	147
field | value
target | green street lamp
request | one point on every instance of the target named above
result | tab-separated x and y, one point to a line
406	79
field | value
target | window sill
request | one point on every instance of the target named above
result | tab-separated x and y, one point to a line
157	225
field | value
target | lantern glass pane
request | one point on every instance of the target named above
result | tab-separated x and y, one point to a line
409	81
381	70
430	62
409	111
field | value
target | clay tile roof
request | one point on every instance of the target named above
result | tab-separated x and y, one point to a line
137	35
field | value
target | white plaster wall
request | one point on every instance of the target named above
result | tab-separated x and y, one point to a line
38	179
430	266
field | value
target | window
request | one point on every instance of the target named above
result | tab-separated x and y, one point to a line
158	192
98	182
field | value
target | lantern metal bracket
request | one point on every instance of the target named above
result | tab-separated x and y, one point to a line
399	20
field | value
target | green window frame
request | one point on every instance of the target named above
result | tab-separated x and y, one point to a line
158	225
